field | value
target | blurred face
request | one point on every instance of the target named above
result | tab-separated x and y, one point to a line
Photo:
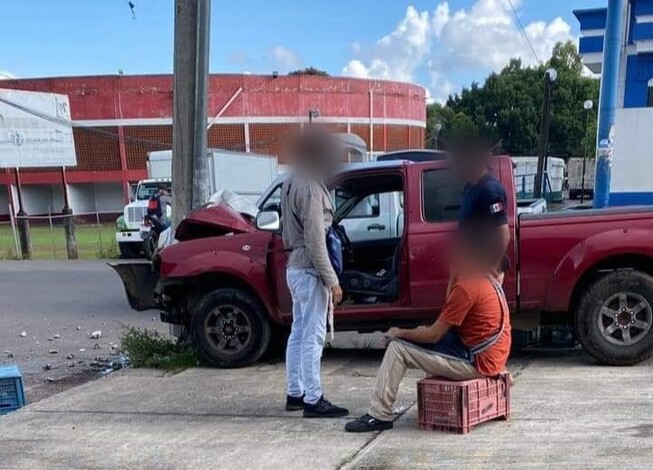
470	167
316	153
464	262
469	259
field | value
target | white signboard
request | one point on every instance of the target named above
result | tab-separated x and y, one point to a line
35	130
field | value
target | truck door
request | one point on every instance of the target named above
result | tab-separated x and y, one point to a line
277	257
433	218
276	272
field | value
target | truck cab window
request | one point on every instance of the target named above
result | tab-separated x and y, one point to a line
368	207
272	202
441	191
147	190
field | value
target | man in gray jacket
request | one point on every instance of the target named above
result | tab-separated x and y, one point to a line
307	211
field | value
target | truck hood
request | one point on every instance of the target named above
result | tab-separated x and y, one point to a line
213	221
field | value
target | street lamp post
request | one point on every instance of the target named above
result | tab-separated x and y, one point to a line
549	77
588	105
437	127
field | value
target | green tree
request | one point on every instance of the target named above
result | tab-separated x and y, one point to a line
309	71
508	107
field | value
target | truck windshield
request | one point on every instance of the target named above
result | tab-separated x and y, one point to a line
146	190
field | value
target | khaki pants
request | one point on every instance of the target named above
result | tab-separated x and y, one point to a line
400	356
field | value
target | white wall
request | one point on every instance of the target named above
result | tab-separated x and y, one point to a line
96	197
42	198
108	197
632	160
81	197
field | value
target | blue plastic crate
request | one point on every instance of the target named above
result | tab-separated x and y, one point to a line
12	392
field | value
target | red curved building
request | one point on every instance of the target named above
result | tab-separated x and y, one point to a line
118	119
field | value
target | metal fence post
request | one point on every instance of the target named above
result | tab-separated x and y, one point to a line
13	229
54	248
99	231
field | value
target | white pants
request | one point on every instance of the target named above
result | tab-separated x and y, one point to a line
310	298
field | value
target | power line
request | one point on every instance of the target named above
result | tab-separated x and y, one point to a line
523	30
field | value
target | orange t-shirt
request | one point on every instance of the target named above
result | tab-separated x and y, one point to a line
474	309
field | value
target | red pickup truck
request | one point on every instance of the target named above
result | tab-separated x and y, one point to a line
225	280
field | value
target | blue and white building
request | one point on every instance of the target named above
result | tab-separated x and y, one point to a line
617	42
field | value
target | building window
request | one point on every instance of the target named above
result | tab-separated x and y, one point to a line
649	98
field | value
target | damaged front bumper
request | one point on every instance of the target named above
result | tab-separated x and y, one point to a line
140	281
145	289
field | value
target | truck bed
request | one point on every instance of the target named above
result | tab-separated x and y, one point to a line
557	247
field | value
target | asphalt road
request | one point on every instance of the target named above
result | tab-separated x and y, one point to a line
69	299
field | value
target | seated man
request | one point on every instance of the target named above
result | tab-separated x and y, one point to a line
470	339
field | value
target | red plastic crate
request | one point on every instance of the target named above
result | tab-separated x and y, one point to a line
457	407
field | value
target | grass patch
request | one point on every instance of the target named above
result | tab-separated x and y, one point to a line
149	349
93	241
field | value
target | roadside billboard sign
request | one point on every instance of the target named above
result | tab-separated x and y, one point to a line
35	130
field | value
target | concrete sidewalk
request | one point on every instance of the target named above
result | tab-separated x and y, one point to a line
567	412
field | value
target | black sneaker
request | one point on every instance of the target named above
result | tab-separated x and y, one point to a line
367	423
324	409
294	403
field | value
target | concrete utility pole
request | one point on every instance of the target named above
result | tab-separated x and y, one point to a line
190	184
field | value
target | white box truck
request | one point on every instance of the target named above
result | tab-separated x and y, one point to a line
525	171
246	174
575	178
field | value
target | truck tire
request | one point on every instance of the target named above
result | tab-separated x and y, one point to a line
129	250
150	244
230	328
614	320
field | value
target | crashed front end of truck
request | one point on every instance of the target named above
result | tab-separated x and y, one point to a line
152	285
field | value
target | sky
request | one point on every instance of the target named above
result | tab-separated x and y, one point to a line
443	45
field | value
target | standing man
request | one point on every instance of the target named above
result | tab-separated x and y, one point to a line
483	204
307	211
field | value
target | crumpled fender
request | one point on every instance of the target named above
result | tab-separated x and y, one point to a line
586	254
243	257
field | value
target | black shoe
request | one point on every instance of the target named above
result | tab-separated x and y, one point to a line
367	423
324	409
294	403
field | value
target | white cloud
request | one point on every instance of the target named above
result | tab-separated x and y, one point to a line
446	43
4	75
283	58
396	55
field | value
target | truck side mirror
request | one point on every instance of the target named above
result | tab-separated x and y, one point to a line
268	221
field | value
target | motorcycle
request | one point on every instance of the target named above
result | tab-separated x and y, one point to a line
153	227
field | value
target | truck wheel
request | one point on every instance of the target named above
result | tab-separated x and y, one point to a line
150	244
230	328
129	250
615	317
